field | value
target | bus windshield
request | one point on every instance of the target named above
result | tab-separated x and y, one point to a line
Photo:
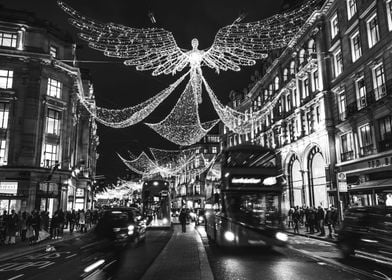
252	208
249	158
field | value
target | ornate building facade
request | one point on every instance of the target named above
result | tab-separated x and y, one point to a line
332	121
47	141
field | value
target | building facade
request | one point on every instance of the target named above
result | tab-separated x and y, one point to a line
45	135
359	39
192	186
332	121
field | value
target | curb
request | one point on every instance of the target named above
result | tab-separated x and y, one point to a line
313	237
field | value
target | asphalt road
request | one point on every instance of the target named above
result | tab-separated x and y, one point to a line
304	258
73	257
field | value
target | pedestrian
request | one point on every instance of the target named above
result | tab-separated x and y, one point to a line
72	220
30	230
335	218
23	226
312	220
12	228
296	220
182	219
3	227
61	220
328	221
320	218
54	226
82	221
290	218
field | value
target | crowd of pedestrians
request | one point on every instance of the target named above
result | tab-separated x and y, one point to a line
313	220
36	226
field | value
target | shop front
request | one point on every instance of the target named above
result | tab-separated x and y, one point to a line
9	198
48	197
371	193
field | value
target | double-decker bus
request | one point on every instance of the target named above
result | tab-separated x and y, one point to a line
246	211
156	202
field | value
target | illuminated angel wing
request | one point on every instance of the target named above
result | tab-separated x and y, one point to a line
146	48
241	44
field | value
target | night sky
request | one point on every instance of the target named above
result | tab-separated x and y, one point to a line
118	86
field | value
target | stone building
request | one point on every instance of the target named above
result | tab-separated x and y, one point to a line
359	44
45	136
192	187
332	122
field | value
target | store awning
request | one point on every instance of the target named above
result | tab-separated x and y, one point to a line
375	184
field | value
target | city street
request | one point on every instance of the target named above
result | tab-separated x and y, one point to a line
302	259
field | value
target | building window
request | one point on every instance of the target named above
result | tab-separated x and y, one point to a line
334	25
4	113
379	81
294	91
292	68
389	14
54	88
360	89
276	83
315	81
305	88
214	150
301	56
311	46
3	146
372	31
50	155
356	51
351	8
259	101
8	39
346	147
6	78
53	122
285	74
365	141
385	125
318	114
288	102
270	90
342	106
53	51
337	62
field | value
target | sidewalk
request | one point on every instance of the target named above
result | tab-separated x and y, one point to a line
21	248
183	258
302	232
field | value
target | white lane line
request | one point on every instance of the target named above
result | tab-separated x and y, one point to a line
15	277
46	265
70	256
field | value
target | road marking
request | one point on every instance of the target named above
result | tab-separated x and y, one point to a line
15	277
46	265
70	256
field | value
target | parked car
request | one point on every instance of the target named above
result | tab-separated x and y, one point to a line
367	232
122	224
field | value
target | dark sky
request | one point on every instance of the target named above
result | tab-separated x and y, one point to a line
118	86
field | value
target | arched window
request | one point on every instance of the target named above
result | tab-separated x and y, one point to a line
276	83
270	89
311	46
292	67
301	56
285	74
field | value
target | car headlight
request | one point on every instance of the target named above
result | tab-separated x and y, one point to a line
229	236
281	236
116	229
131	227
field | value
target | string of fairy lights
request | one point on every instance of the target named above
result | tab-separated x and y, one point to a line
155	49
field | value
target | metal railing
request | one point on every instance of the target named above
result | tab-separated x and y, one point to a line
366	150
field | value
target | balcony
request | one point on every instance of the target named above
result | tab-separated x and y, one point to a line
346	156
366	150
385	145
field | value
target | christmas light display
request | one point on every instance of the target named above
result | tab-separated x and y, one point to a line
182	126
155	49
119	118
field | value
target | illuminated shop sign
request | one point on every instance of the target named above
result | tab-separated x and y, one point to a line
243	180
9	188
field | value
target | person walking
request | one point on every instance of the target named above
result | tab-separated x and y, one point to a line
320	219
82	221
328	221
12	226
182	219
23	226
72	220
296	220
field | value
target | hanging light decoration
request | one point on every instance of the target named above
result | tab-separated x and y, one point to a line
119	118
182	126
155	49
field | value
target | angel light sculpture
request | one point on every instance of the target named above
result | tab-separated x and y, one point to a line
155	49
